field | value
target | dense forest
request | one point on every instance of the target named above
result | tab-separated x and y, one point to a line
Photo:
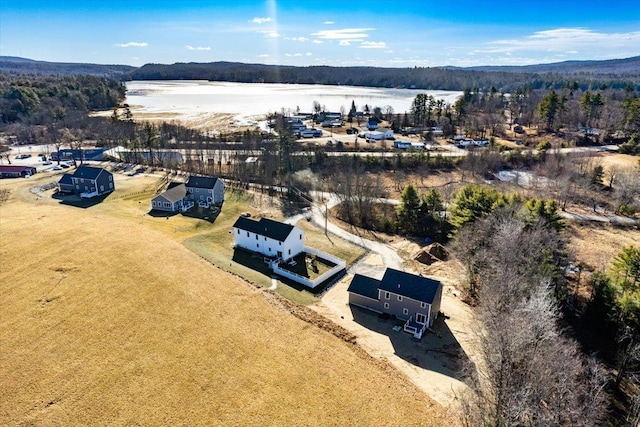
417	77
616	74
46	99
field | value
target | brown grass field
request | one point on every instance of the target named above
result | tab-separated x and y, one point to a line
107	319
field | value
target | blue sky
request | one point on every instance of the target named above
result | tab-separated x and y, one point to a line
336	33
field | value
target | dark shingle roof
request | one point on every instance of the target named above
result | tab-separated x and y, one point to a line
174	194
66	179
409	285
16	168
87	172
265	227
207	182
365	286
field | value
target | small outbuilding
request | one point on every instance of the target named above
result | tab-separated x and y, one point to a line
16	171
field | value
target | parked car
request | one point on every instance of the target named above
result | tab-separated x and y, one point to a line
23	156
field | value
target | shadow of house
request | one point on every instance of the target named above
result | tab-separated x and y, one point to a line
79	202
438	351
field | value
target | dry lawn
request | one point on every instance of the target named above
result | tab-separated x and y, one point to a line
107	321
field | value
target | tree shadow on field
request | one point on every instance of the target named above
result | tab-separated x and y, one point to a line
437	351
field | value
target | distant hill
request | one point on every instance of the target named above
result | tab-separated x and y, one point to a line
605	67
588	74
25	65
616	73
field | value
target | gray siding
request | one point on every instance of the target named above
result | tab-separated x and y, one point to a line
397	307
365	302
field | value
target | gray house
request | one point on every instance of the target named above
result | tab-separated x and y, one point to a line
406	296
206	191
87	181
171	200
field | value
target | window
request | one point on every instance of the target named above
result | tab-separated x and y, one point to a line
269	249
86	188
257	245
238	231
405	311
265	239
110	178
102	188
387	295
289	251
421	318
386	305
247	234
423	304
279	243
111	185
256	237
167	204
399	297
300	236
190	190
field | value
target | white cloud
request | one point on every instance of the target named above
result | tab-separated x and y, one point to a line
316	41
132	44
271	34
569	40
259	20
297	39
345	43
373	45
197	47
343	34
264	55
328	22
308	54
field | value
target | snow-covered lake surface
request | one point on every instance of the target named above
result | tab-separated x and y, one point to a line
190	98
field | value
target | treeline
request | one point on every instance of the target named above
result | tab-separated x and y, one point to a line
47	99
29	66
417	77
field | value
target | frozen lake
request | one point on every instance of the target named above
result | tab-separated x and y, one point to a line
191	98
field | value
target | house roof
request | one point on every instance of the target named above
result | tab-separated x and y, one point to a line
409	285
87	172
174	194
207	182
265	227
15	168
365	286
66	179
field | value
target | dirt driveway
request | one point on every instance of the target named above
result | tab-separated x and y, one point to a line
433	363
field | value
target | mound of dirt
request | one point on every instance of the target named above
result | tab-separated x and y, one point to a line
438	251
432	253
425	257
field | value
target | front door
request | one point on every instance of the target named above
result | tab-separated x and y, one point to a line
279	254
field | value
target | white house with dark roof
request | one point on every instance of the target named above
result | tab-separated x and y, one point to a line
203	190
406	296
271	238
